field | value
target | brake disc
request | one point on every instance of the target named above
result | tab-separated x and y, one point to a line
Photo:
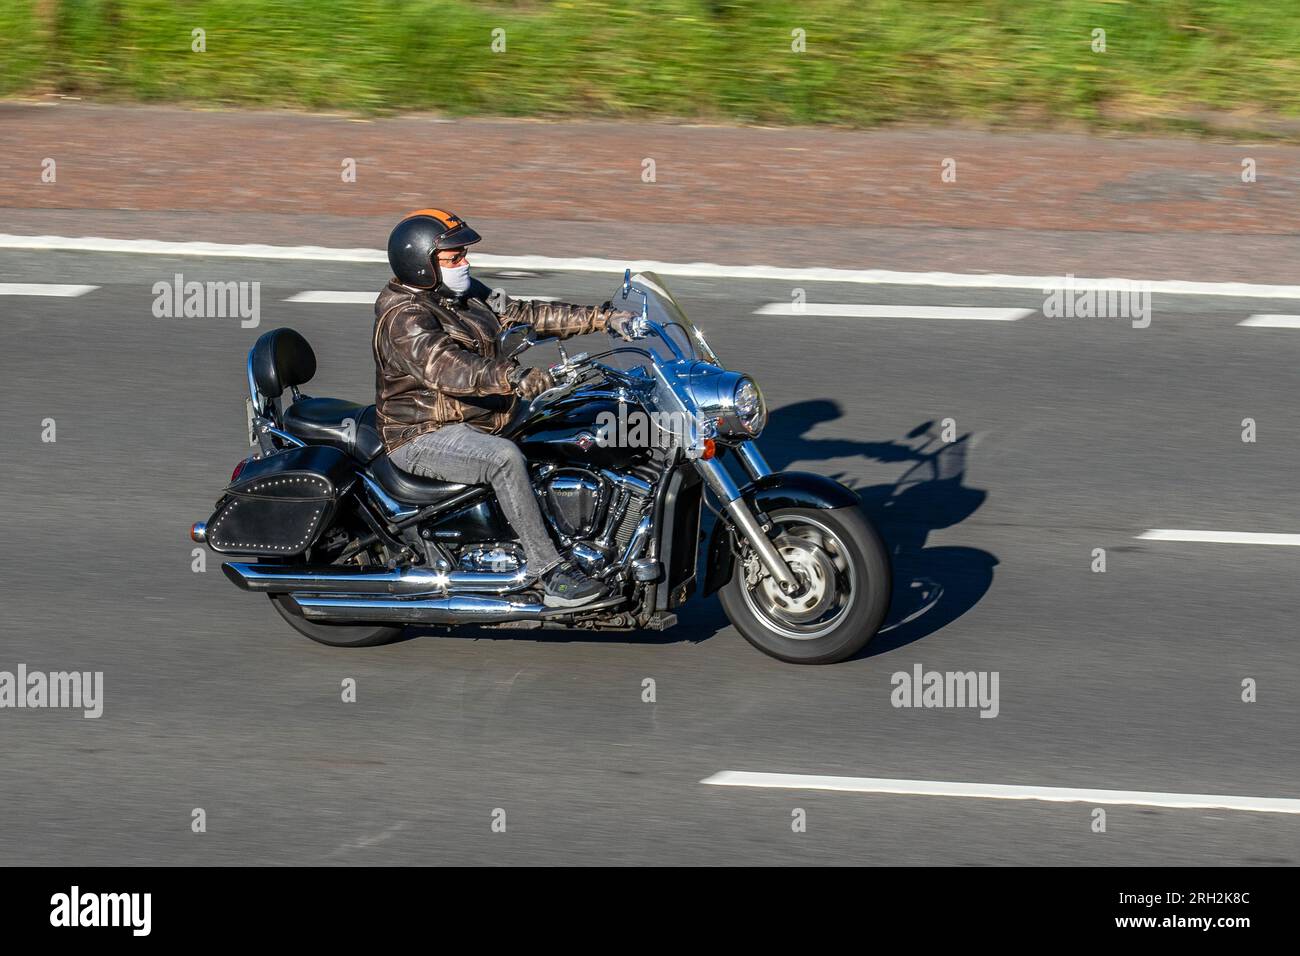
816	574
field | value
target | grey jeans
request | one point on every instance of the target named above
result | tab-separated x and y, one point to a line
459	453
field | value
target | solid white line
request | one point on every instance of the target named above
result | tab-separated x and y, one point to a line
830	310
991	791
954	280
44	288
324	297
158	247
1219	537
1272	321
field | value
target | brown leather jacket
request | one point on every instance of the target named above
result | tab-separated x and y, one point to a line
436	358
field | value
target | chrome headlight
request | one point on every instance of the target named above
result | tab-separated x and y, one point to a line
729	399
751	410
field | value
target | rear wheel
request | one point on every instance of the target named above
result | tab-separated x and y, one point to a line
337	635
843	571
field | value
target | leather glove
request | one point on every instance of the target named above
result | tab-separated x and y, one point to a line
620	323
528	383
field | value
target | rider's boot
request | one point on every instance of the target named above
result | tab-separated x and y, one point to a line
566	586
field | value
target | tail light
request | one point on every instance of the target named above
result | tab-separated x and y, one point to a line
238	468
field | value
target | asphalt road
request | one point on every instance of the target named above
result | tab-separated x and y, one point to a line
1081	434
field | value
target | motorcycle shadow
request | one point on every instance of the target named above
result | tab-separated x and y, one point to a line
933	586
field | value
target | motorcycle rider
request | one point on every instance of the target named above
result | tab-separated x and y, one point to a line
443	392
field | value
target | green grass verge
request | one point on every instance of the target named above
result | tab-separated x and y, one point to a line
866	61
23	50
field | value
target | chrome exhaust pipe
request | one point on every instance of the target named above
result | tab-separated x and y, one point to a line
283	578
392	610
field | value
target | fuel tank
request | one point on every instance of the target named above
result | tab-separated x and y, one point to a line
569	432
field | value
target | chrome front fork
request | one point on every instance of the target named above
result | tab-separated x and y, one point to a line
721	484
753	460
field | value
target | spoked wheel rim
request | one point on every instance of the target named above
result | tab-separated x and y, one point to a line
824	566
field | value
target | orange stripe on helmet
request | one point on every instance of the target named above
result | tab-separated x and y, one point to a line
448	219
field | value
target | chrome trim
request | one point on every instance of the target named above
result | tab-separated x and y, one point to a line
252	385
721	484
279	433
442	610
629	482
278	579
647	570
636	543
568	497
199	532
713	389
589	557
752	460
614	517
748	525
390	504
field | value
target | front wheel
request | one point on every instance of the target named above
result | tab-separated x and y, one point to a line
843	570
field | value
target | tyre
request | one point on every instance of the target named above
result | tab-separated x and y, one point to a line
843	567
336	635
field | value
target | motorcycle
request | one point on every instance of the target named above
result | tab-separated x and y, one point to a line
624	452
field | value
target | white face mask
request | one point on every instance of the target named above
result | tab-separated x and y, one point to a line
456	278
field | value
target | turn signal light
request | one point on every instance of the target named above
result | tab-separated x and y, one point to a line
710	449
198	532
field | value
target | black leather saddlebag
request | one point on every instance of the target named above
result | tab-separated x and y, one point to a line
278	505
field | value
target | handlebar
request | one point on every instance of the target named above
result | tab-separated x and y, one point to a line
568	365
571	373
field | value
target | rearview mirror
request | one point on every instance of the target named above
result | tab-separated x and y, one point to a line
628	290
515	340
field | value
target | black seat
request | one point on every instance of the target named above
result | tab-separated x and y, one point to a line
412	489
323	421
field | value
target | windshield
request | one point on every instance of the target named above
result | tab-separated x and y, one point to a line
682	360
668	321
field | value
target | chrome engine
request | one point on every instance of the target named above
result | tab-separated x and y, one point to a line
575	500
597	515
492	559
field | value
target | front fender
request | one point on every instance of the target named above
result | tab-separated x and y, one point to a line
785	489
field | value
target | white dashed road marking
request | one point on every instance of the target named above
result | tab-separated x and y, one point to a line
1272	322
993	791
1219	537
335	298
44	288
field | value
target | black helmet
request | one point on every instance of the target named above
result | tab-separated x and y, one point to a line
413	241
